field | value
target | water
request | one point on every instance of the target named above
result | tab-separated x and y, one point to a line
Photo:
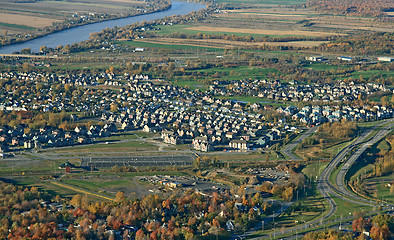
81	33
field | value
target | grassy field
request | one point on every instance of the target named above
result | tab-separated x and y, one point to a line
383	192
324	67
98	185
371	73
237	73
334	150
205	75
148	44
30	165
312	170
345	208
127	146
11	25
119	137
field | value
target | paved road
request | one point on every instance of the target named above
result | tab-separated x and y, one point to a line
288	149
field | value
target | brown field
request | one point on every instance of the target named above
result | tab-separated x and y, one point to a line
220	43
261	31
31	21
291	21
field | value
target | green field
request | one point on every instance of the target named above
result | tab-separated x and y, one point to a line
345	208
127	146
119	137
17	26
334	150
384	193
313	169
324	67
373	73
166	46
97	185
237	73
38	166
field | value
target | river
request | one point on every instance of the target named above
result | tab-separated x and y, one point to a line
81	33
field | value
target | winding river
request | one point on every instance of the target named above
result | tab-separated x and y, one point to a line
81	33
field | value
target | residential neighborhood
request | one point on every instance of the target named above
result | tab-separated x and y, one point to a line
181	116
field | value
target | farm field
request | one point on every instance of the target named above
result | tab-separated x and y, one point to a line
26	17
28	21
216	44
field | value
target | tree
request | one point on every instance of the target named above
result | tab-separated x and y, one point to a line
26	51
288	194
76	200
43	49
140	235
114	107
120	197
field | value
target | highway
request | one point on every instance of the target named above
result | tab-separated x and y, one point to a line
340	178
325	187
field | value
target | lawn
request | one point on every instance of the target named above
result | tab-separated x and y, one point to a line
312	170
119	137
334	174
345	208
97	185
384	192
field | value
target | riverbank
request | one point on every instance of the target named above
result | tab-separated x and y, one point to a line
73	22
82	33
